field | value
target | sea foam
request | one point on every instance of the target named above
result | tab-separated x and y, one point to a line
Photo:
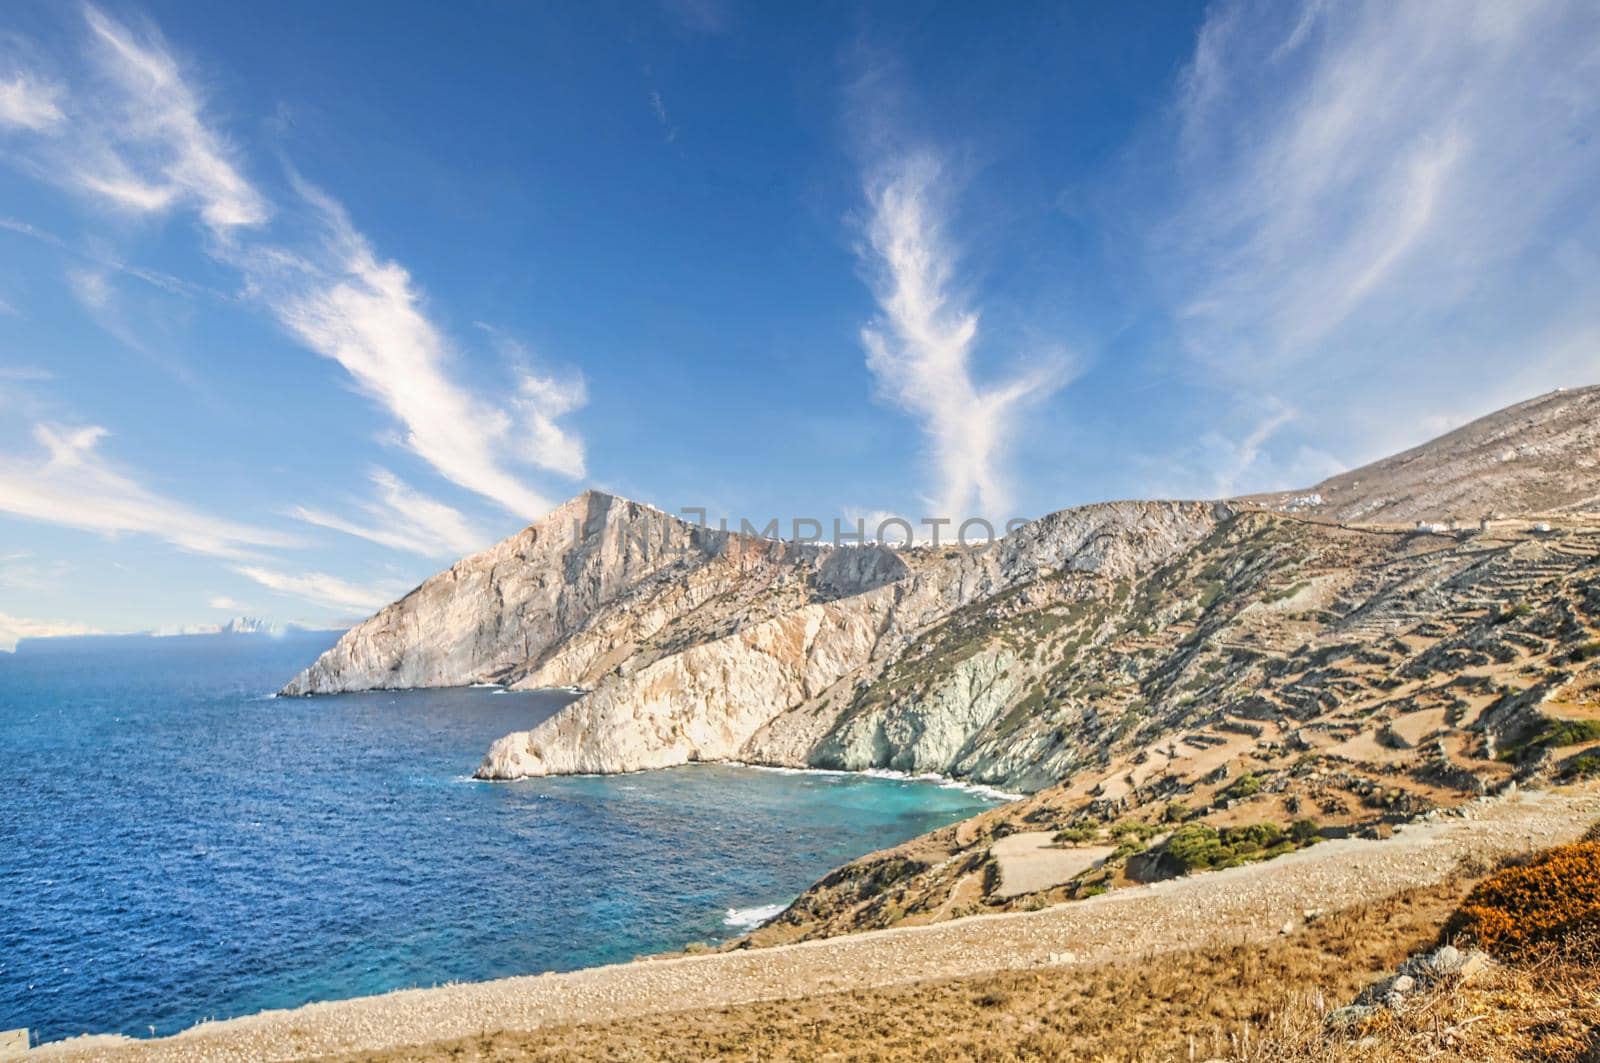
750	918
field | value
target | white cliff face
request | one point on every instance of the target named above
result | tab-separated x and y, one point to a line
702	645
600	584
775	691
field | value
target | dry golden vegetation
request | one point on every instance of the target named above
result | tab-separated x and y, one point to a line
1552	899
1143	1009
1244	1003
1544	1006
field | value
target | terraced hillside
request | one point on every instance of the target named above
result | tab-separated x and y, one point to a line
1281	681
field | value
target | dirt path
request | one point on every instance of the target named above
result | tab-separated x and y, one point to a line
1245	903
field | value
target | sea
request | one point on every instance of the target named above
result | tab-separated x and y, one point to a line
176	844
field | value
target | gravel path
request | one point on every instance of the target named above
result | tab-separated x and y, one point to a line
1251	902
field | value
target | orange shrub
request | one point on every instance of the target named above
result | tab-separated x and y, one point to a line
1551	900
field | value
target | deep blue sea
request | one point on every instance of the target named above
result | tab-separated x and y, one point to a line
175	844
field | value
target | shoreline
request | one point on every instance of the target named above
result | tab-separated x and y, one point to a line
1251	902
931	778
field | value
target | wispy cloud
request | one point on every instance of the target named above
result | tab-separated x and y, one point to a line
921	347
25	373
23	572
137	139
319	588
90	287
668	129
151	148
72	484
222	601
367	314
27	103
404	519
1370	193
542	399
15	628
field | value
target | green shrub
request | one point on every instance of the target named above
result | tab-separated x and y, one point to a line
1588	651
1077	832
1199	846
1246	785
1586	766
1134	828
1556	733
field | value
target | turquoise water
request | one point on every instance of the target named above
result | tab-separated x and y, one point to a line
175	845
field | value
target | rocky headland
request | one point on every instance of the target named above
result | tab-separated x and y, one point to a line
1172	685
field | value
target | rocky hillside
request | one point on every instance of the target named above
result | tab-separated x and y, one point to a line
599	586
1539	456
792	689
1183	634
1280	681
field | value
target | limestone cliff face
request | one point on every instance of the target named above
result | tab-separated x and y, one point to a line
697	644
778	690
600	584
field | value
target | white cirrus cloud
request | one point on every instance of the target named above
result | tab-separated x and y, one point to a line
13	629
146	145
367	314
319	588
542	399
1383	212
137	139
920	349
92	288
28	103
403	518
72	484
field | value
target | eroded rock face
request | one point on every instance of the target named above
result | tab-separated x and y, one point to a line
780	691
600	584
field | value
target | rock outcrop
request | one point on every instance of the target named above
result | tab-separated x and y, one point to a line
596	586
776	691
1090	634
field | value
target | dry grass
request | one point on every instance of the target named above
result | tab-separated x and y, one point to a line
1205	1002
1247	1003
1546	1009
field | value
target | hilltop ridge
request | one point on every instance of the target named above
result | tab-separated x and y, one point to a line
1536	457
1157	630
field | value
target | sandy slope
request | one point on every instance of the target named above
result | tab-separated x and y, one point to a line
1244	903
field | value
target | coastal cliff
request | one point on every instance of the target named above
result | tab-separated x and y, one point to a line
777	691
1092	634
598	585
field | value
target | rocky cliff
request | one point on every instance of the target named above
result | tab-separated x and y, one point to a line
1020	663
598	586
783	690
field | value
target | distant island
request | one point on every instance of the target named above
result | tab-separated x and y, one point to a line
239	626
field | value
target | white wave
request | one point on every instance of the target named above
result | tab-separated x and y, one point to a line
750	918
487	686
932	777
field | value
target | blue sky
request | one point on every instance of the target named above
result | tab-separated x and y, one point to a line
299	303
